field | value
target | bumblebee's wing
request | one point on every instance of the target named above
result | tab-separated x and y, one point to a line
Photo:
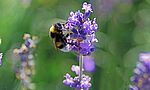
54	43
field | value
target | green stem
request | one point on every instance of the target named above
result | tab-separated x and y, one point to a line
81	66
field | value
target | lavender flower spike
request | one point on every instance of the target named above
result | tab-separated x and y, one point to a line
81	41
141	78
26	69
83	30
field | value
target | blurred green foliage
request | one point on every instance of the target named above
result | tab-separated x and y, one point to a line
123	34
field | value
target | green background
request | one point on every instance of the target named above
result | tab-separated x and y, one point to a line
124	32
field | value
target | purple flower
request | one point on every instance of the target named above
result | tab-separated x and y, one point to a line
141	78
75	19
94	25
26	68
25	50
75	82
85	82
69	80
81	40
30	42
1	58
82	37
87	7
75	69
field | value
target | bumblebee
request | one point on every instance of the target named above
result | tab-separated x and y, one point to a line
58	36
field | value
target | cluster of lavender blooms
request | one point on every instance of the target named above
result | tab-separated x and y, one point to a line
81	41
1	55
141	78
26	68
83	31
75	82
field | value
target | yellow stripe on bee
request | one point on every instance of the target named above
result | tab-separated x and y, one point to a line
52	29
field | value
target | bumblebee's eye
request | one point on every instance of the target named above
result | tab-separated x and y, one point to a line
58	26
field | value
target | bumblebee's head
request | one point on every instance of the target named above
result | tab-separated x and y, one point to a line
58	26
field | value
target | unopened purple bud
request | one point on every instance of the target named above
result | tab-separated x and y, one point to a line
76	69
87	7
85	82
68	80
94	25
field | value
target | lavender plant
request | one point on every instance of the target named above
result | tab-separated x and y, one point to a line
81	41
26	68
141	78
